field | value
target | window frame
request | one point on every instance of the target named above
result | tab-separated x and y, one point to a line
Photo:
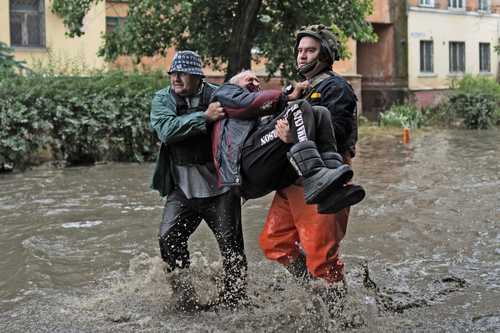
25	34
488	5
451	52
481	56
423	54
430	3
451	7
119	22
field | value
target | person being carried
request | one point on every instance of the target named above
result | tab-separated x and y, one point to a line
248	152
183	118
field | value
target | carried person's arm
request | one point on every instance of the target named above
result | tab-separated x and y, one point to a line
240	103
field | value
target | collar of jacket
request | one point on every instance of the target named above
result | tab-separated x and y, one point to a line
189	101
316	80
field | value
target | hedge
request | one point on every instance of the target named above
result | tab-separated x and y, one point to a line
77	119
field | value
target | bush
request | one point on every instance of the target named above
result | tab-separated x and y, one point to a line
477	110
402	115
80	119
496	117
476	101
477	85
443	115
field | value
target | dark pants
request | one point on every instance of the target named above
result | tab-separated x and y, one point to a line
181	217
264	162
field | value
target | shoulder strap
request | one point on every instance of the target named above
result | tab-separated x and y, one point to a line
317	80
320	78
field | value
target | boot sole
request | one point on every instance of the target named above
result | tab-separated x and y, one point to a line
352	195
327	185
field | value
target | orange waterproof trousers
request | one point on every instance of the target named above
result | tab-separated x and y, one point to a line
291	224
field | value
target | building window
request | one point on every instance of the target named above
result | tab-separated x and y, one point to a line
27	23
456	4
426	56
457	57
483	5
426	3
114	22
484	57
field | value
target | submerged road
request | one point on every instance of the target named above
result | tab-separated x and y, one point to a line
79	249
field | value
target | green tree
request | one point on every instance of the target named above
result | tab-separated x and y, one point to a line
8	64
224	32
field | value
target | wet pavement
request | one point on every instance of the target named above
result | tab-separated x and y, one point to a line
422	251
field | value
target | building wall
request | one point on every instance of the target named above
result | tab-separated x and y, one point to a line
4	22
376	59
381	12
116	8
79	52
470	5
383	65
469	27
348	66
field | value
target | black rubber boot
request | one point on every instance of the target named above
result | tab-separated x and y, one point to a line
344	197
332	160
319	181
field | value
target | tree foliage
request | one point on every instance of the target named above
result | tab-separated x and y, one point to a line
8	65
224	32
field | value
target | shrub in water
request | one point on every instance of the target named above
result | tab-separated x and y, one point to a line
402	115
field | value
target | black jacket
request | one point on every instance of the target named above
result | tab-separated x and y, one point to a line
336	94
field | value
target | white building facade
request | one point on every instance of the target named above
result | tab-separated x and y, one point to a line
448	39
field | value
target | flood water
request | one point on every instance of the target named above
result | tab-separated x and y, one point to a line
79	251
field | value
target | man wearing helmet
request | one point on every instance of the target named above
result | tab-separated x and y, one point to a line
294	234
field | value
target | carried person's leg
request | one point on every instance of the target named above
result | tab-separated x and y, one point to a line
324	173
264	163
265	167
312	123
223	216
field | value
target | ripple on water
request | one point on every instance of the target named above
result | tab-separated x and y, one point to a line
58	211
81	224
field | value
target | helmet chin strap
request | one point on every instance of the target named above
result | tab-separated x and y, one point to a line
306	68
309	70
